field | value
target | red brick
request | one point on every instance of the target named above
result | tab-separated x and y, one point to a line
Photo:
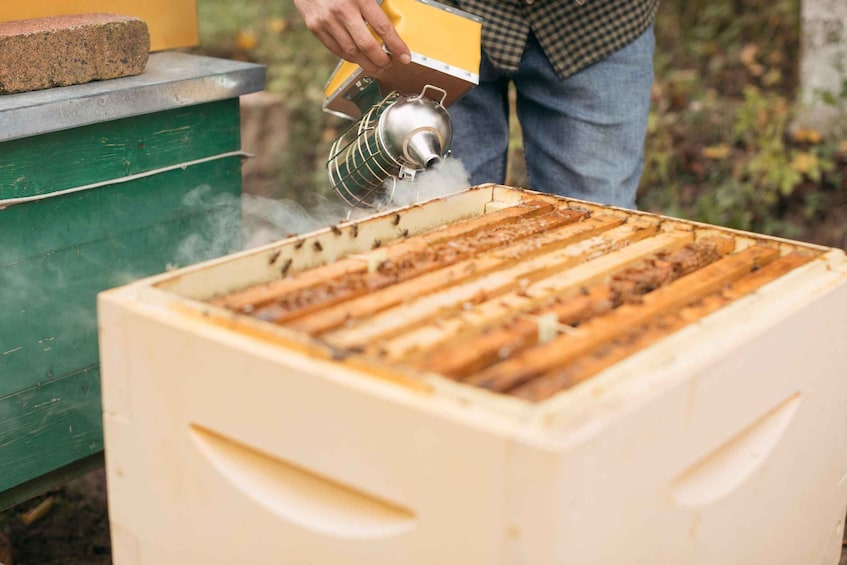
64	50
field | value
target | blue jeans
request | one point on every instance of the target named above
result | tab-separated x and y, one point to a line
583	135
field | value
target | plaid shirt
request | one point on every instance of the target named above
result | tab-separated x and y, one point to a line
573	33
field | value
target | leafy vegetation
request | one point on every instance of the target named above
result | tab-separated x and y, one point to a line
720	146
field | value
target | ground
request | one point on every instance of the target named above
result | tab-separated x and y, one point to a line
75	531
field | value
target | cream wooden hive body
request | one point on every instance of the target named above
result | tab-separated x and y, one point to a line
230	439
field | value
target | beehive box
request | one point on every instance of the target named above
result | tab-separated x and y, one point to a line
496	376
100	184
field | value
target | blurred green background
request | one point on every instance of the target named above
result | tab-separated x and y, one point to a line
720	146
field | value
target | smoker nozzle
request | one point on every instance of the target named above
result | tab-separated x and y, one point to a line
424	148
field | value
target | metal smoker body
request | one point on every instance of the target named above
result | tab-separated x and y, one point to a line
407	130
395	139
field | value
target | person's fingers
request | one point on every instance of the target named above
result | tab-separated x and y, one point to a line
365	45
347	27
332	32
383	28
339	41
368	47
329	42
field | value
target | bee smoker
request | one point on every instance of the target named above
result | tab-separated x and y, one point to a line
402	124
396	138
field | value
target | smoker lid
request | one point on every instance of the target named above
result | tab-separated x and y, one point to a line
171	80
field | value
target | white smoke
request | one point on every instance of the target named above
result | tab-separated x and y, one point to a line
264	219
446	177
232	223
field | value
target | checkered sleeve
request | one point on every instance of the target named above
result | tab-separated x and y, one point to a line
573	34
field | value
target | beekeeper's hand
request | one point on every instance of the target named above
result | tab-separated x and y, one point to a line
342	26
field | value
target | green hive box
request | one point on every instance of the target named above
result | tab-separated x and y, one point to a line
100	184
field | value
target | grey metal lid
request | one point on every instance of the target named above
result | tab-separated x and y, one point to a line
171	80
